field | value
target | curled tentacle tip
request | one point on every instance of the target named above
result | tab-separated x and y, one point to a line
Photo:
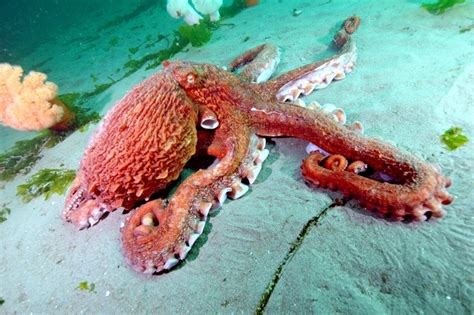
335	162
315	156
262	156
351	24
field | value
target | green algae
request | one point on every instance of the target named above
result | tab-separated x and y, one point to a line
295	246
142	8
70	99
441	6
45	183
84	116
196	35
233	9
133	50
85	286
159	38
156	58
99	88
113	41
149	42
75	102
453	138
466	28
4	213
25	153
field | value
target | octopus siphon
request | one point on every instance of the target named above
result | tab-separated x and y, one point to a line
190	109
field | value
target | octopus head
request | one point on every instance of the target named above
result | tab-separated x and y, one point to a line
82	208
198	80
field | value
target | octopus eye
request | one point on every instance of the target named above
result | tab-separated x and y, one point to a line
190	78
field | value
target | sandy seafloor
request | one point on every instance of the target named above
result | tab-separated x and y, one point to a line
414	80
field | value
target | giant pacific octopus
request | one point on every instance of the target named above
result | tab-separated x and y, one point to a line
187	108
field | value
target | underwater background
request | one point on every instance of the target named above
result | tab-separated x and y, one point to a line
285	247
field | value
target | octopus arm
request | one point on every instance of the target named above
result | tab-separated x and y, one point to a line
304	80
258	64
420	189
157	237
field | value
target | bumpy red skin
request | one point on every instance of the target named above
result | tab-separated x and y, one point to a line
422	187
142	145
420	195
243	109
254	59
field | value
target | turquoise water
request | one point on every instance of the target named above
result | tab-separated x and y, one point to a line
284	247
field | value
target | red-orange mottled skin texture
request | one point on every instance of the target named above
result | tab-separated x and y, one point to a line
244	109
421	187
148	137
142	145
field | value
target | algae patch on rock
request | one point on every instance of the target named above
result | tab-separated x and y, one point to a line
45	183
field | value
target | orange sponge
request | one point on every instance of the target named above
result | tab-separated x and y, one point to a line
30	104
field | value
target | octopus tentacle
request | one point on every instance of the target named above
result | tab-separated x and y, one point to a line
339	116
420	188
258	64
335	162
351	24
82	208
304	80
161	245
412	201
